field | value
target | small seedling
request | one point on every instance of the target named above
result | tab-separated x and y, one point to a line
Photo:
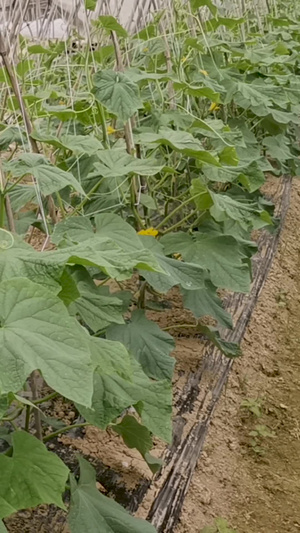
220	526
258	434
253	406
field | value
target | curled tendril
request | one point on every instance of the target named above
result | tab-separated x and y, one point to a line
6	239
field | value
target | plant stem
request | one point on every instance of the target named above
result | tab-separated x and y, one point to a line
9	189
168	56
46	398
2	210
9	215
61	205
10	419
64	430
178	224
103	124
27	418
180	326
178	208
88	197
37	414
141	303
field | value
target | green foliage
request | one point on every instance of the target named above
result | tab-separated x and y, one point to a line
252	405
222	255
30	461
49	177
137	436
258	437
117	93
90	4
91	511
196	4
31	335
221	526
113	393
148	343
111	24
230	349
204	302
148	174
180	141
78	144
114	163
2	527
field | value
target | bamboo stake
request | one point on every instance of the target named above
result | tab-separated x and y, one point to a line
26	118
9	214
168	56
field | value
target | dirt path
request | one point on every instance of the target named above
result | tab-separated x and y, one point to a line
254	482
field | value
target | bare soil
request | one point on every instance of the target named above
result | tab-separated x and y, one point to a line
254	485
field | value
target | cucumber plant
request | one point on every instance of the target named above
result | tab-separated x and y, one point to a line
142	158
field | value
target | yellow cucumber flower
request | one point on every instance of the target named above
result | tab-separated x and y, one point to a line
149	231
214	106
204	72
110	130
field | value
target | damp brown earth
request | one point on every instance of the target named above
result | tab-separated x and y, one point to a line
252	481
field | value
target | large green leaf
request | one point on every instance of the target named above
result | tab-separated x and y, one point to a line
111	358
230	349
224	206
78	144
278	147
49	177
196	4
279	116
4	404
249	95
197	91
114	391
180	141
92	512
12	135
90	4
229	22
115	228
204	302
117	93
2	527
72	231
37	333
201	195
222	255
95	305
148	343
21	195
110	23
115	163
107	256
252	177
134	434
22	261
30	477
187	275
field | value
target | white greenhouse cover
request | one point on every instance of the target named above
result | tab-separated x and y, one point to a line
55	24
